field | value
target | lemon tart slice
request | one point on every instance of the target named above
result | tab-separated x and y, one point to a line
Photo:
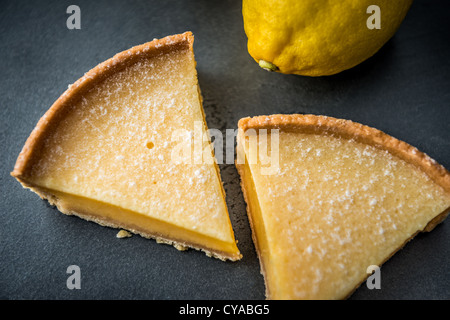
106	151
331	199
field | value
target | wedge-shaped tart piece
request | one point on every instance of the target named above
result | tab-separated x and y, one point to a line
107	151
331	198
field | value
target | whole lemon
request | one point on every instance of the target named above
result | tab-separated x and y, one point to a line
319	37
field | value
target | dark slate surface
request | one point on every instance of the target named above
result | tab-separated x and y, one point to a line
402	90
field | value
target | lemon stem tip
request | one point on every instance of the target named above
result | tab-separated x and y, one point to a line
266	65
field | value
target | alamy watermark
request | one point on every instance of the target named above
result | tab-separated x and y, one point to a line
74	20
374	280
374	20
195	147
74	280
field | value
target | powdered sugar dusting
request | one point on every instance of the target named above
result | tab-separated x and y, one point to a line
117	139
338	207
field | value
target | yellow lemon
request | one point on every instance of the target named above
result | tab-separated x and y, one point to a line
319	37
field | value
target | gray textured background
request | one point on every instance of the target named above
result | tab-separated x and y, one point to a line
402	90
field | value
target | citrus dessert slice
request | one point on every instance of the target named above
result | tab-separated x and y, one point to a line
104	151
331	199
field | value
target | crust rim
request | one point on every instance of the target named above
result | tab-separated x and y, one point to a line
348	129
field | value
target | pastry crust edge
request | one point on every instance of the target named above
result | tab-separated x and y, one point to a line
159	238
348	129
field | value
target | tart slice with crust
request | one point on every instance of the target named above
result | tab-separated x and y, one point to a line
329	198
106	151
